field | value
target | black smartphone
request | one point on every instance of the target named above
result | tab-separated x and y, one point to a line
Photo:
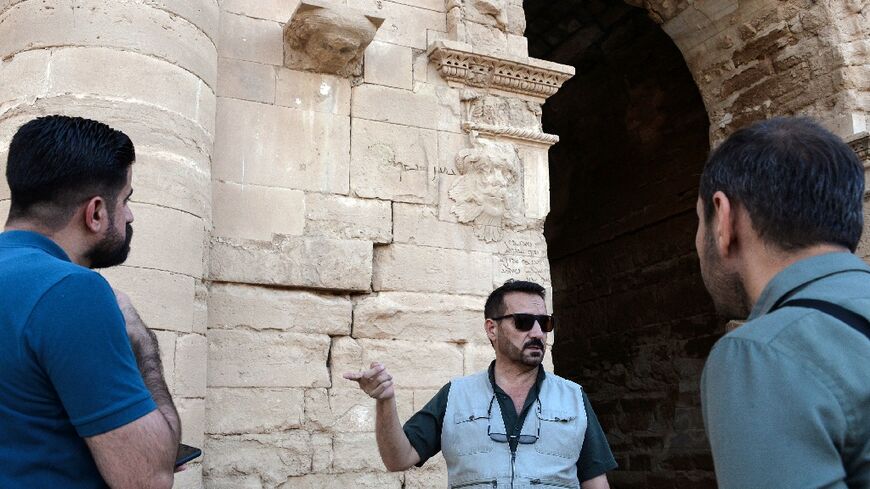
186	453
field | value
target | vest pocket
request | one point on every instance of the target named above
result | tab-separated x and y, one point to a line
478	484
544	483
560	435
470	429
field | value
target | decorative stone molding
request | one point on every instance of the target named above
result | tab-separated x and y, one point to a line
485	194
461	66
327	38
527	135
861	144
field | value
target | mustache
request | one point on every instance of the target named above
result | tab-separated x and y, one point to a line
534	342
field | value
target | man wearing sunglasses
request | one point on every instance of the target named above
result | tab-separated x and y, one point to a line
512	425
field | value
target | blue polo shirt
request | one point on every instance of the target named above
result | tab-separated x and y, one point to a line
66	367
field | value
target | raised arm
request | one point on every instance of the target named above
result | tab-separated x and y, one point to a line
141	454
396	450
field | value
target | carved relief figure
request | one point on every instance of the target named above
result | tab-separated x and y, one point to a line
502	111
486	193
328	39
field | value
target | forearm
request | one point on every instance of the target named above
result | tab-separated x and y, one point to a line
396	451
147	352
599	482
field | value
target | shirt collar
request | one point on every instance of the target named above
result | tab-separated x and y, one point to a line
33	240
800	274
536	387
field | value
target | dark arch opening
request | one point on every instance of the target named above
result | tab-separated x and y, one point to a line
635	323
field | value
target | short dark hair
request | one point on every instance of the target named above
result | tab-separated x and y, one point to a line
59	161
800	184
495	302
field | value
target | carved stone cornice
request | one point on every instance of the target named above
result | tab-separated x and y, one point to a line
459	64
528	135
861	144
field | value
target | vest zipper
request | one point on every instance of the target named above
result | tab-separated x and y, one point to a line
513	463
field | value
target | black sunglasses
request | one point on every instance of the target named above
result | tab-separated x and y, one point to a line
504	437
525	322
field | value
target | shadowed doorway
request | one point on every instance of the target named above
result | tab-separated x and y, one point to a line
635	323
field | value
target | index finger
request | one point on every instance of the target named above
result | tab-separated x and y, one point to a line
353	375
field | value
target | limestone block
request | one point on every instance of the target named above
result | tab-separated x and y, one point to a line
191	477
241	307
328	38
518	45
487	39
250	39
316	92
356	452
240	411
277	10
361	480
192	413
231	481
321	446
23	77
4	209
433	474
339	217
191	354
273	457
427	106
419	317
200	308
254	212
477	357
423	396
405	25
163	299
166	344
246	80
420	225
281	147
124	25
389	64
534	269
133	77
172	181
409	362
423	269
392	162
346	408
299	262
536	182
203	14
153	225
267	359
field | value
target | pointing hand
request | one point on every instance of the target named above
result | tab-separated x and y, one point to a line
376	381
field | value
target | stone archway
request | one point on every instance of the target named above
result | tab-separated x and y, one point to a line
635	323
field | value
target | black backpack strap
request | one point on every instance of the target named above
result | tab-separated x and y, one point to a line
851	318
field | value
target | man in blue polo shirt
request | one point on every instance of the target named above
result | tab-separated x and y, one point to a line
83	402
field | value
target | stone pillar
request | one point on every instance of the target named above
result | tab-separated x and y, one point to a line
148	68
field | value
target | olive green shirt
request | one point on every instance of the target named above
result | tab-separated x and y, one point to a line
786	397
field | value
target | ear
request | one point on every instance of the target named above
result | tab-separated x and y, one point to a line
723	228
96	214
490	327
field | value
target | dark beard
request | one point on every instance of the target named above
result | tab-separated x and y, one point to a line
726	288
529	358
112	250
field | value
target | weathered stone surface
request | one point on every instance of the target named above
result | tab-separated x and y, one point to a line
427	106
277	10
405	25
302	262
316	92
532	268
255	212
281	147
192	413
405	360
166	344
267	359
361	480
172	181
356	452
191	477
241	306
477	357
191	353
129	26
246	80
346	408
203	14
271	458
390	65
23	77
536	182
393	162
328	38
163	299
424	269
339	217
433	474
161	225
241	411
251	39
419	317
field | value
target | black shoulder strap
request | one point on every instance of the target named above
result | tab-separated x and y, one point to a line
851	318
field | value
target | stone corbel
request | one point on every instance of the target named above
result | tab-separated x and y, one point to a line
861	144
532	78
326	38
